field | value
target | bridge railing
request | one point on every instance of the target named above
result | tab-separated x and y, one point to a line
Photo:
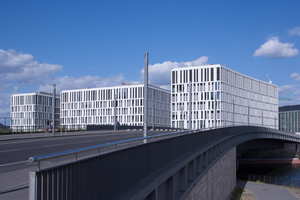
113	146
119	173
105	148
109	147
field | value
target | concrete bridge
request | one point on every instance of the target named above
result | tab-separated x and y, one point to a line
198	165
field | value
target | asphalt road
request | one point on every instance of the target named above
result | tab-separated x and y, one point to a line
14	154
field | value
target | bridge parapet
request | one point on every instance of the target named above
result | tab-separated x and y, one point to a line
154	170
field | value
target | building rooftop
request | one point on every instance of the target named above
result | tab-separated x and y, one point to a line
37	93
289	108
118	87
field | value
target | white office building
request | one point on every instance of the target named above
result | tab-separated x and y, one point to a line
96	106
221	97
30	111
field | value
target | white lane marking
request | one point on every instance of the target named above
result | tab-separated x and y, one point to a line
13	163
9	150
86	141
52	145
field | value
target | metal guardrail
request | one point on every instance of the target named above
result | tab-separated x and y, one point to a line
140	140
75	152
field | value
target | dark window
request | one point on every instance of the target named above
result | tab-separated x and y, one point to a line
173	77
180	76
186	76
218	73
201	75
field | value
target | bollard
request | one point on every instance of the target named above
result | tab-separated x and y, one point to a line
65	130
60	130
45	131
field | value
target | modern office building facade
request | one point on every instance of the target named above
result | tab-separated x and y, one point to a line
289	118
96	106
221	97
30	111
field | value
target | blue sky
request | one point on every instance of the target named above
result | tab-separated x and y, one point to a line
78	44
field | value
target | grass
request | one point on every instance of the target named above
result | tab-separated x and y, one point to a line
237	193
241	194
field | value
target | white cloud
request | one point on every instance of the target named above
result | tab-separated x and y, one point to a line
289	90
24	69
12	62
295	77
274	49
292	90
160	73
294	31
286	89
68	83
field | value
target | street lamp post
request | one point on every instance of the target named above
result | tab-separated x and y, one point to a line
153	115
115	125
145	95
53	109
190	105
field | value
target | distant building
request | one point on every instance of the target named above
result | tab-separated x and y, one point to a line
289	118
221	97
30	111
96	106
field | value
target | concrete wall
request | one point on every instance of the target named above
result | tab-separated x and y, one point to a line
219	181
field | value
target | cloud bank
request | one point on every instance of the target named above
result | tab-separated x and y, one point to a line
68	83
293	89
160	73
274	49
295	77
23	69
294	31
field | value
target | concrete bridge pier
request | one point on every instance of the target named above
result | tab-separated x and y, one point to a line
196	180
219	181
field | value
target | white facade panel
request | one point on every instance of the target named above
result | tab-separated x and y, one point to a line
96	106
221	97
30	111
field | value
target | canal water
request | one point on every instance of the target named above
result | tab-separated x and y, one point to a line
288	175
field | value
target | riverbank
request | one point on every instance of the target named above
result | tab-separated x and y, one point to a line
253	191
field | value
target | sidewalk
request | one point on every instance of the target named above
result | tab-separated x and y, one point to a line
266	191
